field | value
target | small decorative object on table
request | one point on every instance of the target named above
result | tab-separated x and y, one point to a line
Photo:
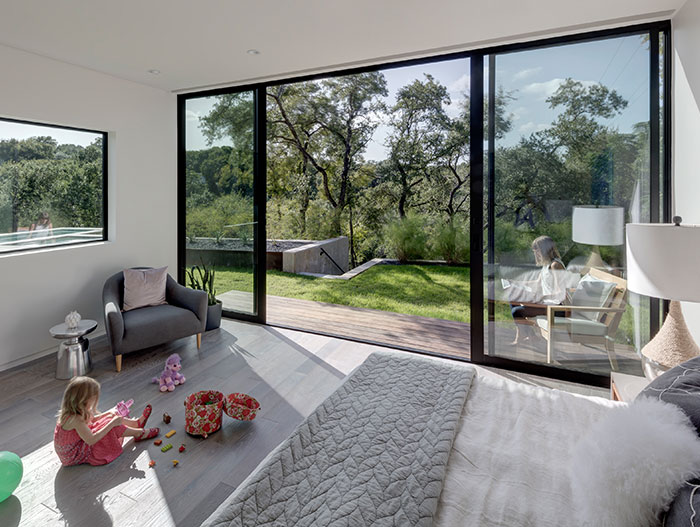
171	375
152	463
158	442
182	447
73	353
72	320
166	418
165	448
170	434
175	462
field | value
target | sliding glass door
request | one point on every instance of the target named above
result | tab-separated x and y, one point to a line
470	205
573	156
221	223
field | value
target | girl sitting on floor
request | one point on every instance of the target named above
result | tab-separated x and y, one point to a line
83	435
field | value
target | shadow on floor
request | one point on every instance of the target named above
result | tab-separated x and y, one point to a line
79	491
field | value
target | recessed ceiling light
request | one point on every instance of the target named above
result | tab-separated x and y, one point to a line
154	72
253	52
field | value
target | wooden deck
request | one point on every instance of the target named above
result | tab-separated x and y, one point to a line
436	336
433	335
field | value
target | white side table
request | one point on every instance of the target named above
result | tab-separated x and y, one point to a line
73	353
625	387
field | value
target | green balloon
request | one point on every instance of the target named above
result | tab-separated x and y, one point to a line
10	474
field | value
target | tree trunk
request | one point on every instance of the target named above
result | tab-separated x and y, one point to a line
353	257
336	229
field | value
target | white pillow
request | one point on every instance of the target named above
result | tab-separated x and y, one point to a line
144	287
591	292
626	470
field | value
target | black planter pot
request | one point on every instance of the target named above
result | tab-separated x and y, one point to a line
214	316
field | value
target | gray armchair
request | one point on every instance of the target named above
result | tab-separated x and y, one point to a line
184	315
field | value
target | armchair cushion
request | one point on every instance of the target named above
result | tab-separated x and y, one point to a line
144	287
591	292
149	326
575	326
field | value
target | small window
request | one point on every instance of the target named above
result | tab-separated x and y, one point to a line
53	182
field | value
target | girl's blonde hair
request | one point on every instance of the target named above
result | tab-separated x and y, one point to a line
545	250
79	392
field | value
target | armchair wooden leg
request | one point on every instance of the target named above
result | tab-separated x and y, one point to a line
199	340
118	360
610	347
550	337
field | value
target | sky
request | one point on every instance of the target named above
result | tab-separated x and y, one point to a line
530	76
10	130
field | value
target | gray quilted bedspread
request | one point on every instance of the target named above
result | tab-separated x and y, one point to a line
374	453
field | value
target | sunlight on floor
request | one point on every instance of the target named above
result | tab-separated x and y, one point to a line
84	495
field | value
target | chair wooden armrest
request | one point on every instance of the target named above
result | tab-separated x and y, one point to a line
596	309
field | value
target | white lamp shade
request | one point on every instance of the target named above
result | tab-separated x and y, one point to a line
663	260
598	225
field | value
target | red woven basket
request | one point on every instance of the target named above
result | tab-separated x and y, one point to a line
203	412
241	406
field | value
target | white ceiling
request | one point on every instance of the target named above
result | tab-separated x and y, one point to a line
203	43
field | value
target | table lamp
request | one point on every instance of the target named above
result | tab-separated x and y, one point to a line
597	225
662	262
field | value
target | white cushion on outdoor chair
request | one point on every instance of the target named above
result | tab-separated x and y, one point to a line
575	326
591	292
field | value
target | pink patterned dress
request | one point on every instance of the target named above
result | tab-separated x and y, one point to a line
72	450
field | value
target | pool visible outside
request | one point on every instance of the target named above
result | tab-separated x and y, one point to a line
13	241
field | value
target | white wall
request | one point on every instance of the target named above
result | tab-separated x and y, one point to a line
686	128
38	289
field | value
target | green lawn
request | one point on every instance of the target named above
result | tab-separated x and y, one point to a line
436	291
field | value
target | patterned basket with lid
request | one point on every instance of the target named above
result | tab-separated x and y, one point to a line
203	412
241	406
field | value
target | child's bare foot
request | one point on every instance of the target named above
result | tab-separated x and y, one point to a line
148	433
145	415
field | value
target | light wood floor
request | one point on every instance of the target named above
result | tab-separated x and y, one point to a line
289	372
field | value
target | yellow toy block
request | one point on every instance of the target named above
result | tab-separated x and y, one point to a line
170	434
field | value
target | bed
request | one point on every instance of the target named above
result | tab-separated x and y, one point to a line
409	440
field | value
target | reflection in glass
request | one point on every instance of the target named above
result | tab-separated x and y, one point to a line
570	168
51	186
219	194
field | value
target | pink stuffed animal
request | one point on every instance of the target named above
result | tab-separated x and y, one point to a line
171	375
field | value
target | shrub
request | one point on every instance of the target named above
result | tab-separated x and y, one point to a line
406	238
451	243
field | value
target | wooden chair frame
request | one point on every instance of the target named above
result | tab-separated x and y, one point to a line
617	305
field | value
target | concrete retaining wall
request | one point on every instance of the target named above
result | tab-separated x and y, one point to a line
310	259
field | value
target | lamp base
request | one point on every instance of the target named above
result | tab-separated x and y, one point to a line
672	345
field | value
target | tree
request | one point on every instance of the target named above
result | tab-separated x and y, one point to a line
419	128
230	167
569	160
330	123
40	147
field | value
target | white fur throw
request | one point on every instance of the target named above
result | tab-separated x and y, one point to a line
628	467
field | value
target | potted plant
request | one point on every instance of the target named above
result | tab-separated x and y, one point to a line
201	278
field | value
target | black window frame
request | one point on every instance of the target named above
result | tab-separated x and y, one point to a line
478	152
105	179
